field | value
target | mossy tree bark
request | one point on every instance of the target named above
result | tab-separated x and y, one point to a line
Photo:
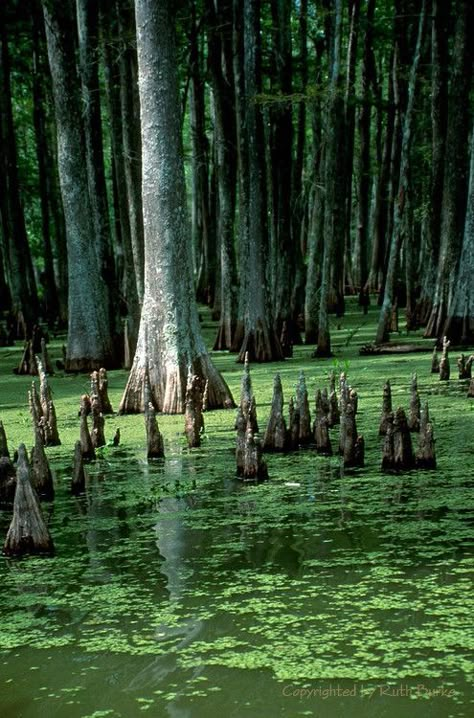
89	338
169	341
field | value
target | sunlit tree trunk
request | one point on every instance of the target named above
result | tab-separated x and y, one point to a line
169	341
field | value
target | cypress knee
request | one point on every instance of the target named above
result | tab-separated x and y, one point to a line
98	423
276	433
155	448
240	425
3	442
255	468
414	416
7	481
388	451
294	424
302	405
444	363
321	428
470	391
402	448
425	454
386	408
333	414
103	386
28	532
194	422
78	483
48	367
246	395
465	366
85	437
353	447
435	362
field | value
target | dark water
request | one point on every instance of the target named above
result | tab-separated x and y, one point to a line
176	591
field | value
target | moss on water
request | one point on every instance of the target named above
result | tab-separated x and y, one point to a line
174	585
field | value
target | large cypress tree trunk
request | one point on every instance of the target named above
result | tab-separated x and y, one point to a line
403	189
456	169
169	341
89	343
20	268
222	79
255	332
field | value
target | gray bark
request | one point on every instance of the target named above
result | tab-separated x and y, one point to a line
89	340
169	341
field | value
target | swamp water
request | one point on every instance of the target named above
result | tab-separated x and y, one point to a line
177	591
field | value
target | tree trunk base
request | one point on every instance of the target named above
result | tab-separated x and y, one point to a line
261	345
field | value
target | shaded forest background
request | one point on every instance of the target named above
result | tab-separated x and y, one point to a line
327	148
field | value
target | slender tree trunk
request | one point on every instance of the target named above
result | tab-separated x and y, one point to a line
456	169
131	139
20	268
349	131
459	325
364	124
90	343
169	341
222	79
403	189
334	199
127	279
203	239
255	332
51	302
439	115
88	35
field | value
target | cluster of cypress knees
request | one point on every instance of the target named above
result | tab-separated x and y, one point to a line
331	409
31	479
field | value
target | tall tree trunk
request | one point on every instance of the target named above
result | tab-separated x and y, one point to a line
222	79
459	325
20	268
126	277
204	241
89	343
50	300
455	169
439	115
403	189
281	133
169	341
334	199
131	139
88	40
255	332
349	131
363	169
